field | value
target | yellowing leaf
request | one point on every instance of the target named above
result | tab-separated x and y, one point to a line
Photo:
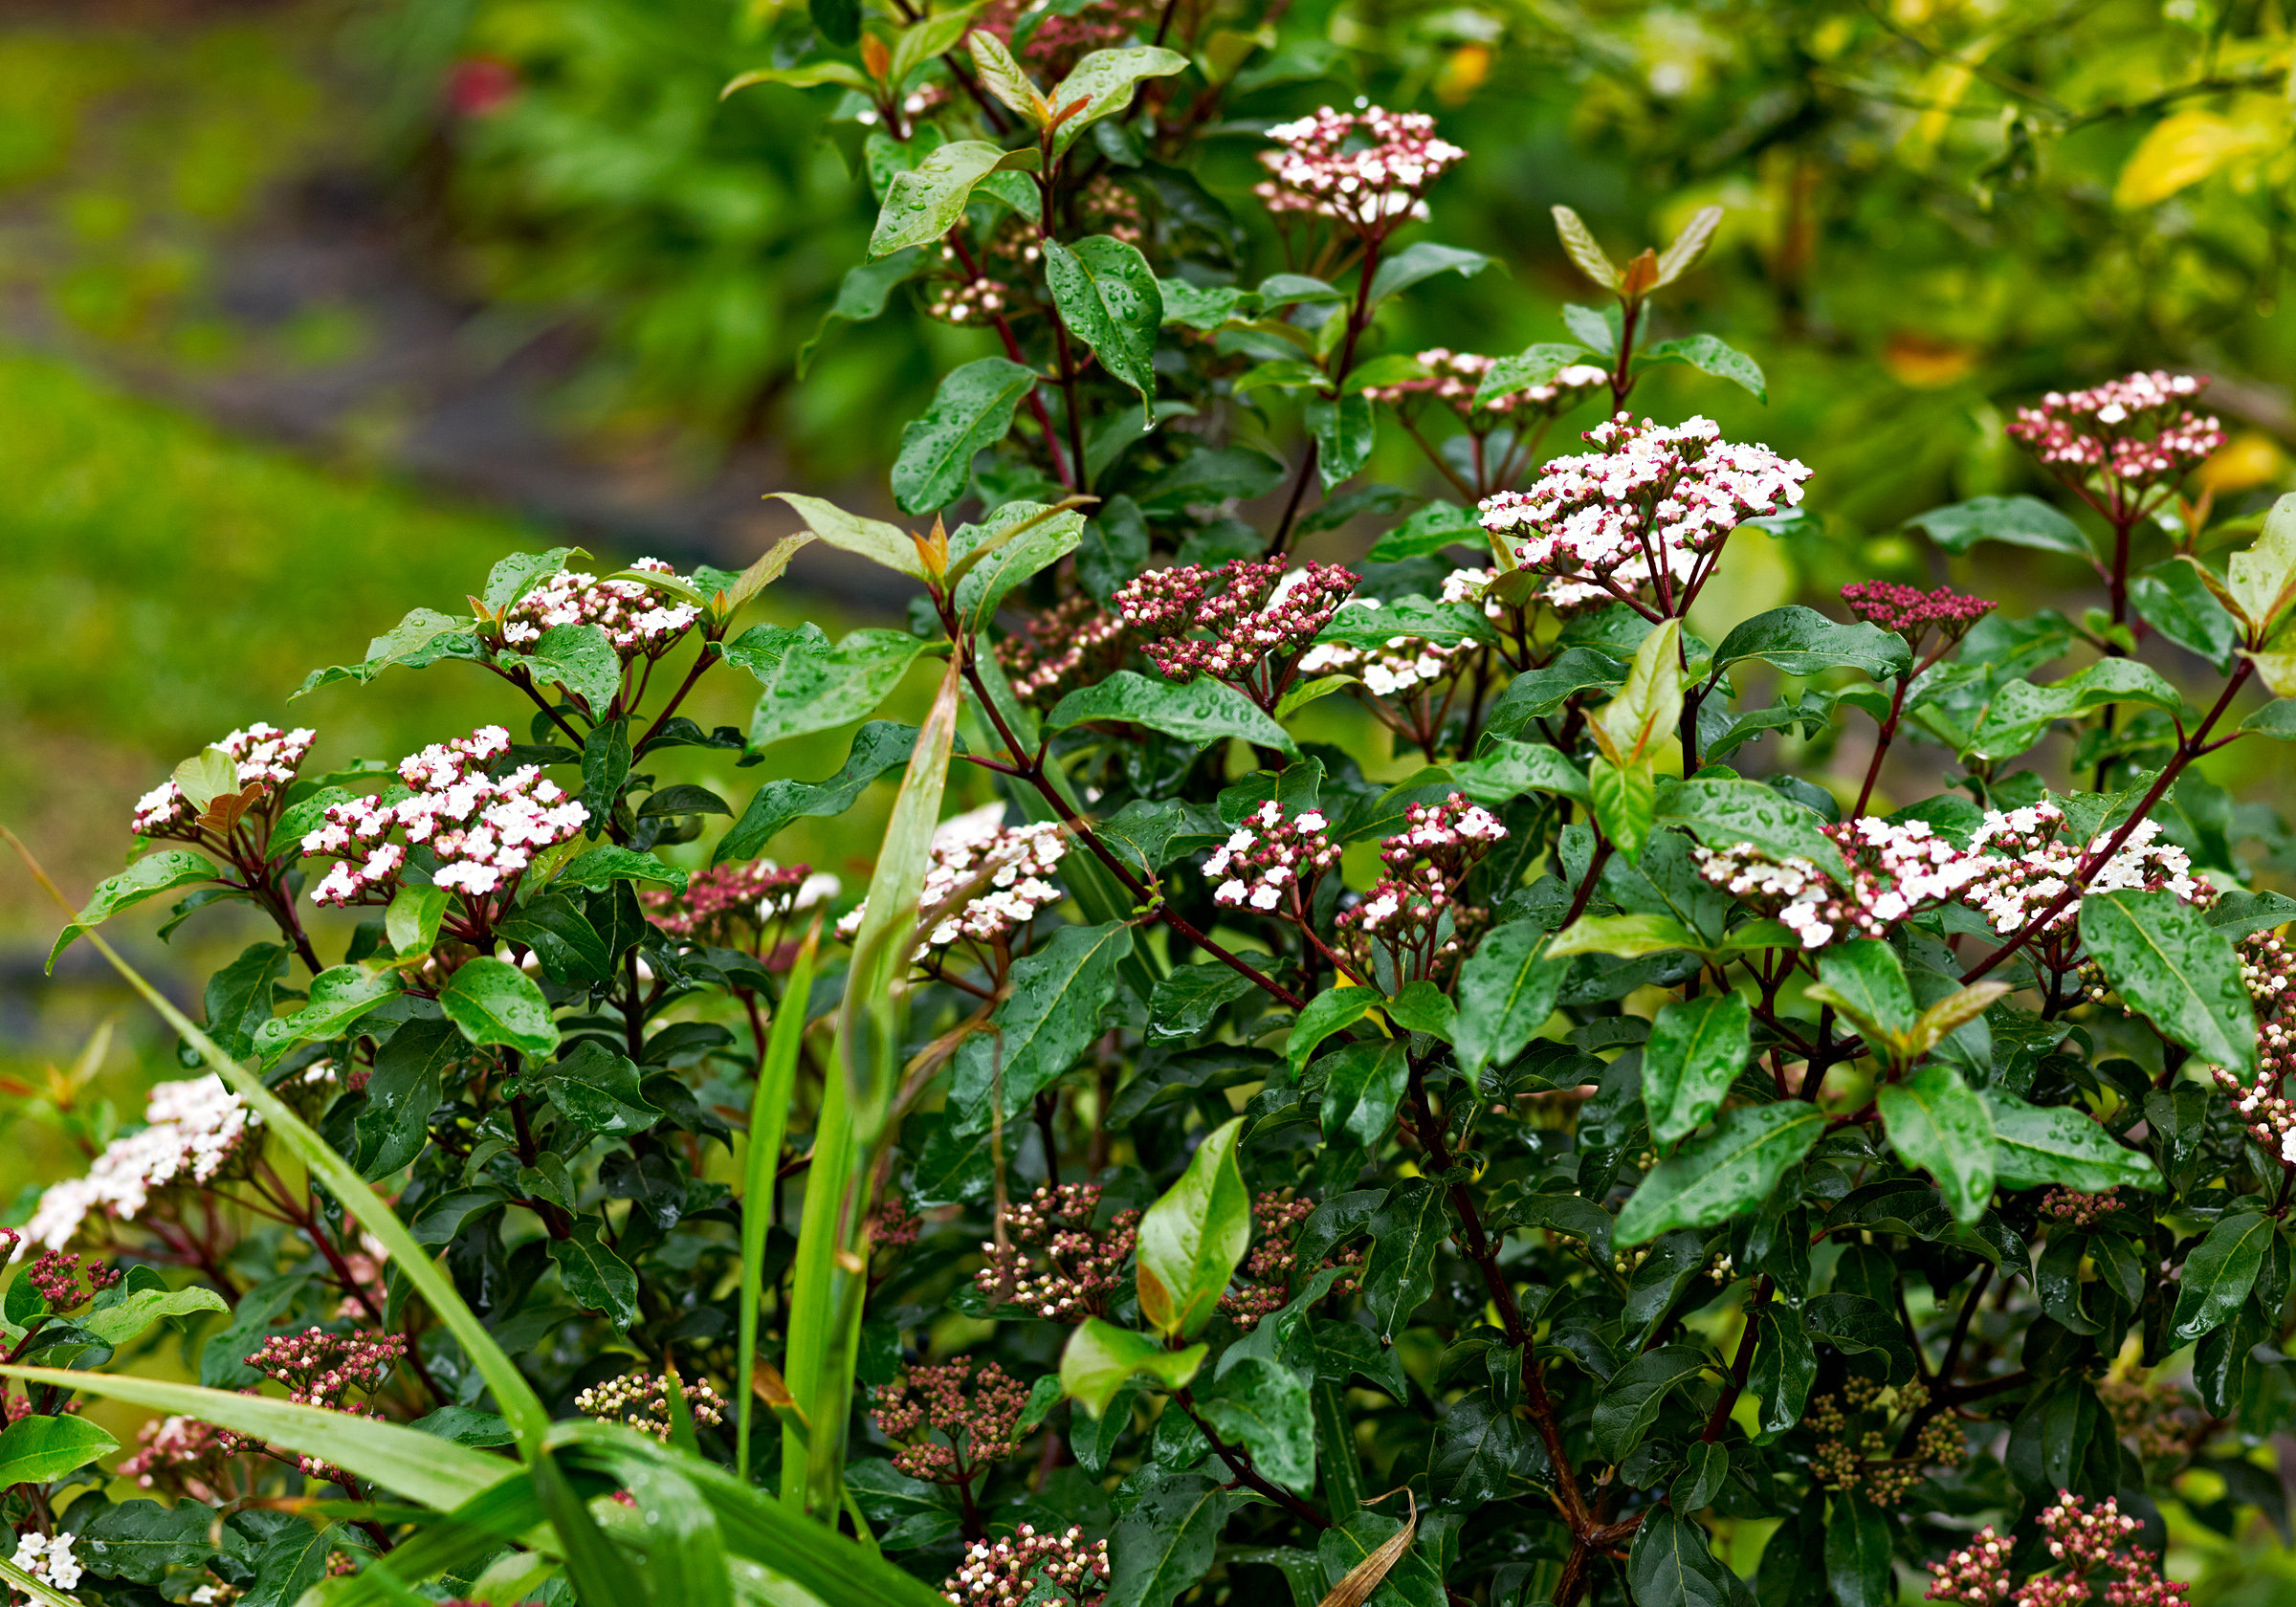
2184	148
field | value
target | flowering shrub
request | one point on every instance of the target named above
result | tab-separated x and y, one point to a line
1410	1080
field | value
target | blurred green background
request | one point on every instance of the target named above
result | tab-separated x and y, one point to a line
309	310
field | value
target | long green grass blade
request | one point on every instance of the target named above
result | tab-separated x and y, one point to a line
812	1293
768	1122
463	1540
684	1551
601	1574
521	1407
422	1466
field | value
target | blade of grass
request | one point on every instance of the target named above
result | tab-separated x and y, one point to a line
422	1466
521	1407
601	1574
768	1121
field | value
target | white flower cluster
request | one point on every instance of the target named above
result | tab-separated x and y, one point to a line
1651	501
1007	863
1266	854
2028	864
1892	870
631	614
191	1128
264	753
1397	667
1365	169
483	831
48	1558
1468	585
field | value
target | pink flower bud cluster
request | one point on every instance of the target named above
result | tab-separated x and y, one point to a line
725	897
975	1414
56	1275
968	300
2080	1542
641	1400
1079	1263
2030	863
1889	870
1402	665
1452	378
1265	1284
1269	856
1644	512
321	1369
1031	1569
631	613
1414	912
985	880
893	1225
1912	612
2268	972
1368	170
1249	610
2136	430
1061	648
267	757
185	1457
2075	1209
482	832
192	1129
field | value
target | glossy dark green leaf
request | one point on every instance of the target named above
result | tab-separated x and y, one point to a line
810	685
1104	81
1506	993
1724	813
2021	521
2175	970
1630	1400
338	997
971	412
1856	1553
596	1278
239	995
1333	1010
2051	1144
1706	1463
1406	1231
1710	354
878	746
1697	1049
407	1082
924	203
1202	711
148	877
2219	1272
1865	981
141	1541
1803	642
1107	295
1937	1123
1263	1405
1049	1017
2175	601
1481	1450
1345	430
1730	1170
1164	1545
33	1450
493	1002
1423	259
1363	1083
578	658
1672	1565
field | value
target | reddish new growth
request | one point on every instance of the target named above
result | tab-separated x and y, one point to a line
2076	1209
1414	913
2134	435
56	1275
1257	619
1080	1264
1266	1277
725	897
1912	612
1061	648
2082	1543
1366	170
974	1415
265	758
1043	1569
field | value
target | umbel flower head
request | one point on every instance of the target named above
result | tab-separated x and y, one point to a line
974	1414
1031	1569
641	1400
1269	856
192	1129
2268	972
2135	434
1057	1264
481	830
988	880
2030	863
1249	610
755	893
1452	378
1644	514
634	617
1888	870
1367	170
1912	612
1415	912
267	759
2080	1542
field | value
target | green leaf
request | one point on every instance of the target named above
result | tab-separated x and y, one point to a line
2175	601
863	292
1723	813
1103	80
1345	432
1624	802
2175	970
2036	1144
1672	1565
36	1450
1708	354
1479	1453
1579	242
1213	474
811	686
411	922
1423	260
1285	373
1732	1168
1628	936
415	1464
1506	769
2219	1274
877	747
239	996
1192	1239
1534	366
768	1123
1049	1017
1164	1544
1363	1085
1934	1122
140	1541
1184	1003
924	203
2019	712
1630	1400
595	869
420	640
148	877
1100	1359
598	1279
1506	993
1697	1047
1374	625
1201	712
1803	642
578	658
1865	981
1430	530
2021	521
809	76
1049	538
1785	1364
875	540
971	412
1407	1230
1856	1553
1333	1010
493	1002
1264	1405
137	1310
1107	295
600	1090
337	998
